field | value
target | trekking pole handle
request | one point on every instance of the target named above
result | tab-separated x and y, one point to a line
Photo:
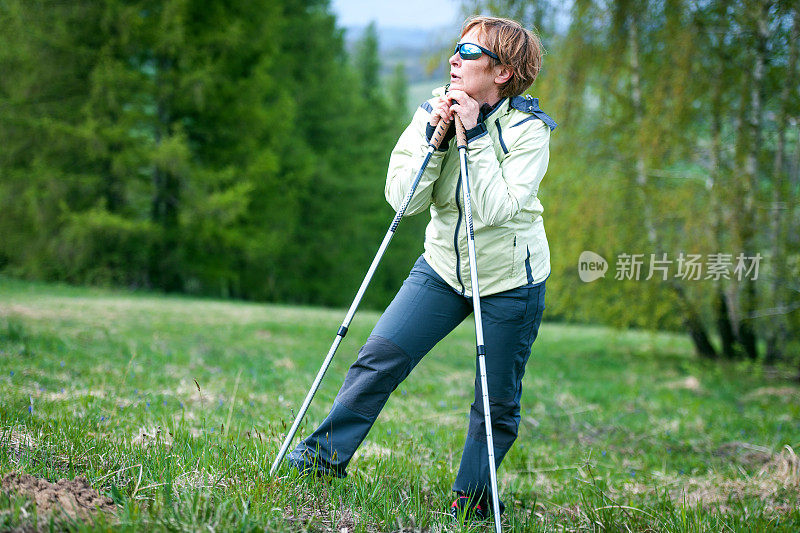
438	133
461	134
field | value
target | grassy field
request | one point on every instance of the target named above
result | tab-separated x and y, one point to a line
174	409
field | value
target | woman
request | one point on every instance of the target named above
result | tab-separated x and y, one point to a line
508	151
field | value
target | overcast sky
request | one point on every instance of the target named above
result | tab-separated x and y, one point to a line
422	14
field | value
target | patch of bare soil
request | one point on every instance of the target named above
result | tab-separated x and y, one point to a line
197	479
787	393
76	498
152	436
744	454
689	383
18	443
776	483
318	511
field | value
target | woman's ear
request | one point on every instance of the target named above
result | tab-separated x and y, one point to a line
503	73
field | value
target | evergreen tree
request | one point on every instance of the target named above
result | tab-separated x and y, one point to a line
175	144
398	92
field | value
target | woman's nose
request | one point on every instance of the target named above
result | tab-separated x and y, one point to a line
454	59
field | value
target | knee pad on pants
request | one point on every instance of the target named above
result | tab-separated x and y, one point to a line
380	367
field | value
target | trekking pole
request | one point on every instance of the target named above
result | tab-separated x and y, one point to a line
461	137
434	143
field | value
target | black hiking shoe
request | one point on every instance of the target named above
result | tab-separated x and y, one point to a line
464	508
314	466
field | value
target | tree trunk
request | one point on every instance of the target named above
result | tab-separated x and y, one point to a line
694	323
164	270
776	338
748	235
638	114
794	175
692	318
725	327
713	185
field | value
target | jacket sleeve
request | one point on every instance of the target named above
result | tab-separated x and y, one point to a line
500	190
404	163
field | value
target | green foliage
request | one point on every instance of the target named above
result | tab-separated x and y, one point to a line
368	64
102	248
398	90
669	143
209	147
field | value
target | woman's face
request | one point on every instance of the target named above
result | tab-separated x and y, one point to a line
476	77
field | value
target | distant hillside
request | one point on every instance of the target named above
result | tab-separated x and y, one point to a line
424	52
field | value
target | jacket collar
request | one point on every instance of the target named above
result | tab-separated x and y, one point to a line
487	110
528	104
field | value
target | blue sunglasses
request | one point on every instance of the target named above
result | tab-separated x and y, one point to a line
472	51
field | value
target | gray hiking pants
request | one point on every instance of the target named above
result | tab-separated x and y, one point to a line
424	310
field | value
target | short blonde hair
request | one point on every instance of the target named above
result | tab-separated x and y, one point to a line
518	48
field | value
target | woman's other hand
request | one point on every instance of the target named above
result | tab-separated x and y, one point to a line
441	111
466	107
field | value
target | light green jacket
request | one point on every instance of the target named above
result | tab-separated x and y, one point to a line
507	161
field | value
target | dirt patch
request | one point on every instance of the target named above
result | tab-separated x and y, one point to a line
744	453
787	393
370	449
18	443
76	498
777	484
27	312
152	436
319	511
197	479
285	363
688	383
346	522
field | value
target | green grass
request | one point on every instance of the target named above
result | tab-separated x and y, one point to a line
620	429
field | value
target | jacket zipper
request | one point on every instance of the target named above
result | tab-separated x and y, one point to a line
500	136
455	239
514	258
